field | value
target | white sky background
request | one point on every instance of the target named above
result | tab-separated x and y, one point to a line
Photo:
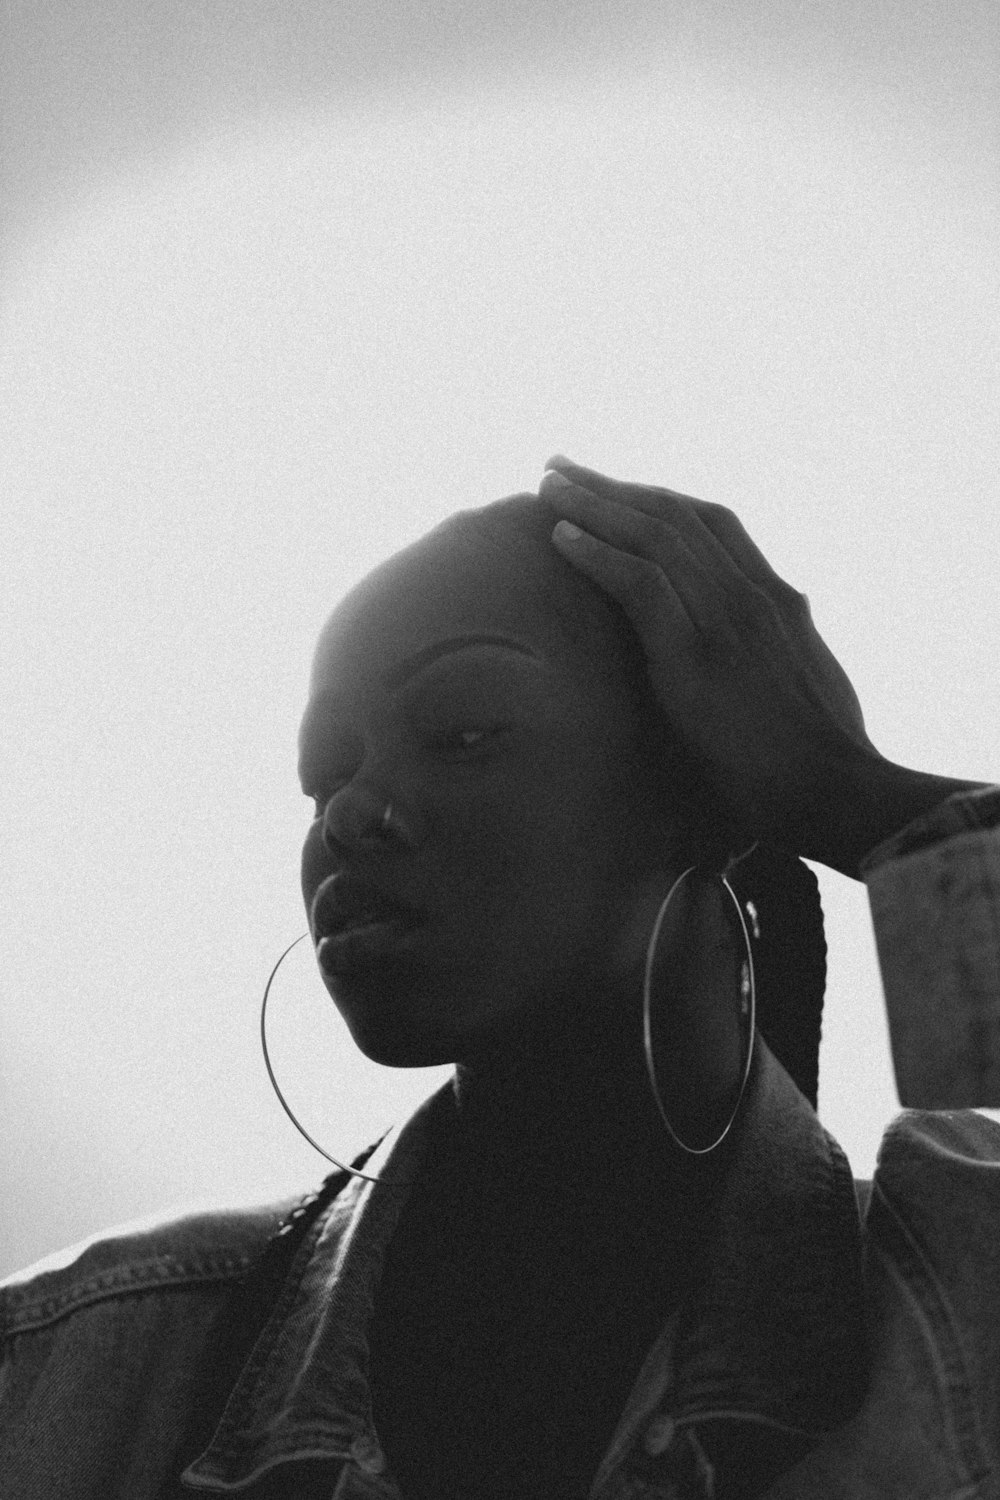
287	284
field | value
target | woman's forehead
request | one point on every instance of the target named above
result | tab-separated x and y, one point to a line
459	580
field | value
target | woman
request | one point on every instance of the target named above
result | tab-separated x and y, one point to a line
618	1256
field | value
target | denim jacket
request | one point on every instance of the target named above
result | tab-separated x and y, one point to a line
178	1358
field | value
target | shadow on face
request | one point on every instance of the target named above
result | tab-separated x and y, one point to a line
487	695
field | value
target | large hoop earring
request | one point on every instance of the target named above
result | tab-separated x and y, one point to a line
354	1171
748	1014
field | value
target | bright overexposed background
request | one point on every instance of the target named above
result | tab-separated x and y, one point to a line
284	285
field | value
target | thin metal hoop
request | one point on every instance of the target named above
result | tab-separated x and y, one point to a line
368	1177
747	992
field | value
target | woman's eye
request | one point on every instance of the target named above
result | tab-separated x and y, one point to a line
464	739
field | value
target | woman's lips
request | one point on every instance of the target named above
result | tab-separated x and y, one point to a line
356	922
344	899
359	945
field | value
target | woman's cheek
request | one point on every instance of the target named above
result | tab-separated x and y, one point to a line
314	862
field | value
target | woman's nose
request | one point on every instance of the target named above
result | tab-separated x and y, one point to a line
358	815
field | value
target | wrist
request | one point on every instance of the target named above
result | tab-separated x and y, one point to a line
874	801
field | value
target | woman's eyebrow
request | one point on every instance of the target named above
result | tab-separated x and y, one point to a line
422	658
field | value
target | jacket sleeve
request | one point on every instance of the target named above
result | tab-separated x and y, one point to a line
100	1349
934	890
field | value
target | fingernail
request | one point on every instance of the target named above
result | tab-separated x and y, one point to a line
567	532
559	461
553	480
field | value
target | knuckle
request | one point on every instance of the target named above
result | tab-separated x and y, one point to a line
717	651
676	497
712	510
794	601
648	587
647	530
744	608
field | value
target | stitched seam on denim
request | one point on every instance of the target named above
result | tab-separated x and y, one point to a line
248	1383
841	1205
313	1442
164	1274
196	1482
330	1437
921	1286
988	873
838	1198
840	1208
755	1419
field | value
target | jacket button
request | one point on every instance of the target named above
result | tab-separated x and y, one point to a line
659	1435
367	1454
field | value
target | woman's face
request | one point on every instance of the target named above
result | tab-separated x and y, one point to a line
524	839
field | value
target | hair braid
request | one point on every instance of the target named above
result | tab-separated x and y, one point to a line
790	953
789	957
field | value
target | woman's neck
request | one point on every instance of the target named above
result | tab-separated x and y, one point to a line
573	1080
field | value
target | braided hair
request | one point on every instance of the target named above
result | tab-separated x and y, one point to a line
784	917
779	894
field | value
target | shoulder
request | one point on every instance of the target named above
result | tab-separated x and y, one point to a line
936	1195
199	1245
932	1236
923	1150
114	1342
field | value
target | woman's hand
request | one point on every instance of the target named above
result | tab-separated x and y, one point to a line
737	665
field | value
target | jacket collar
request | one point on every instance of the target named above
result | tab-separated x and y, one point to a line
303	1394
775	1331
777	1328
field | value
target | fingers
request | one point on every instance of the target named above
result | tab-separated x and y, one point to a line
656	546
644	500
638	584
652	534
731	534
615	489
707	527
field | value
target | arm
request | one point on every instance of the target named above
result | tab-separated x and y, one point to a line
761	704
878	801
934	890
740	671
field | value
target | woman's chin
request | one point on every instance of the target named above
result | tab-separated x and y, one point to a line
392	1050
418	1021
396	1033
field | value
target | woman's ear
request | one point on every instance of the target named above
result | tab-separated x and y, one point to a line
721	854
692	828
712	844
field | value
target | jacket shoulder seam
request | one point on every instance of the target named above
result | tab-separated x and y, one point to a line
26	1310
